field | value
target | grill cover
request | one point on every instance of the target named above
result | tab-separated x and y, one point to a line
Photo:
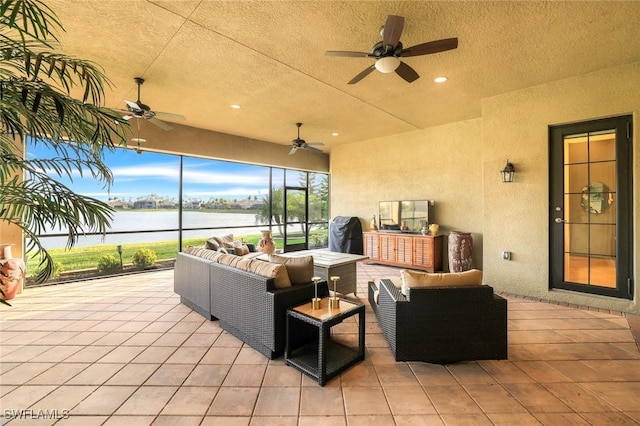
345	235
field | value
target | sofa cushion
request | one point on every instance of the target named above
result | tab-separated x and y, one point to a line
413	279
228	259
202	252
300	269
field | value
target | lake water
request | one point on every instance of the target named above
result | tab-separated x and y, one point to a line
141	221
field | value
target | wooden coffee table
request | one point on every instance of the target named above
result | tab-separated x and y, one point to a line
323	358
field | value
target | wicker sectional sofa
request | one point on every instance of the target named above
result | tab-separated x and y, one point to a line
248	305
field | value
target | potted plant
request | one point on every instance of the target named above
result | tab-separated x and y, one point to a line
36	99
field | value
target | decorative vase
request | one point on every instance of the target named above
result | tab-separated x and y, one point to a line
460	250
424	230
266	244
433	229
5	251
373	226
11	272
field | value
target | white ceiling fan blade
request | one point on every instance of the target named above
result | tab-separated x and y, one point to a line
127	117
170	116
132	105
161	124
316	143
293	150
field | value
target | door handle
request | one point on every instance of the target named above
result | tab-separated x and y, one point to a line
559	220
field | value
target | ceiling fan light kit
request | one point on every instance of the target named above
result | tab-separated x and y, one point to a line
298	143
139	110
388	52
387	64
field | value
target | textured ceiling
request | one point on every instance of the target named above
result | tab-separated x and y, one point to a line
199	57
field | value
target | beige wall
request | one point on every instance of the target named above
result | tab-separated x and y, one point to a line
204	143
458	166
442	163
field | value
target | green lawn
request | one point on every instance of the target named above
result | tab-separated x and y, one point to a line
82	258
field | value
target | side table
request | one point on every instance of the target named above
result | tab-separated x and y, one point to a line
323	358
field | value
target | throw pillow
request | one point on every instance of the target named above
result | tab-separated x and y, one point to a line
412	279
300	269
212	244
265	269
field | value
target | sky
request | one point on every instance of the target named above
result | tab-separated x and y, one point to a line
139	175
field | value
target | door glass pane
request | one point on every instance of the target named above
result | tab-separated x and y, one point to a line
589	211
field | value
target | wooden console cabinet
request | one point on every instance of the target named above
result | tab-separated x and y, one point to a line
411	251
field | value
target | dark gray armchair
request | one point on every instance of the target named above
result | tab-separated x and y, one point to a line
441	324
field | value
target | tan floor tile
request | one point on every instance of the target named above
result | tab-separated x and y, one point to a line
76	420
25	396
220	355
105	400
114	338
190	401
248	355
432	374
362	374
541	371
24	373
623	396
57	354
322	421
201	340
536	398
408	400
129	420
226	421
321	401
58	374
579	399
147	400
510	419
274	421
158	327
282	375
466	419
171	339
227	340
178	420
207	375
451	399
25	353
370	420
245	375
133	326
493	398
277	402
89	354
64	398
122	354
470	372
380	356
185	327
399	374
154	354
561	419
133	374
95	374
186	355
170	374
422	420
365	400
234	401
142	339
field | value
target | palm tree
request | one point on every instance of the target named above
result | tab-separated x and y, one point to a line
56	101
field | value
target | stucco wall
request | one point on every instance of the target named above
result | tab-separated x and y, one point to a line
458	166
516	216
443	164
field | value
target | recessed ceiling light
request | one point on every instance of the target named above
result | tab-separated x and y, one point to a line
235	106
334	134
440	79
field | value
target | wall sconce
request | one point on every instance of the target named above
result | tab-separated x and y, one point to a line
508	172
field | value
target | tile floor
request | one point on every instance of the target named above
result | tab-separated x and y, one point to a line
125	351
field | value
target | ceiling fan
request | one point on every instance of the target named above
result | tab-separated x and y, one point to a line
298	143
388	52
139	110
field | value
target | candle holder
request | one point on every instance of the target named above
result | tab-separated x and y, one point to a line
334	302
315	302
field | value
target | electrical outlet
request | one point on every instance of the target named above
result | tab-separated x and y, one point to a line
506	255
